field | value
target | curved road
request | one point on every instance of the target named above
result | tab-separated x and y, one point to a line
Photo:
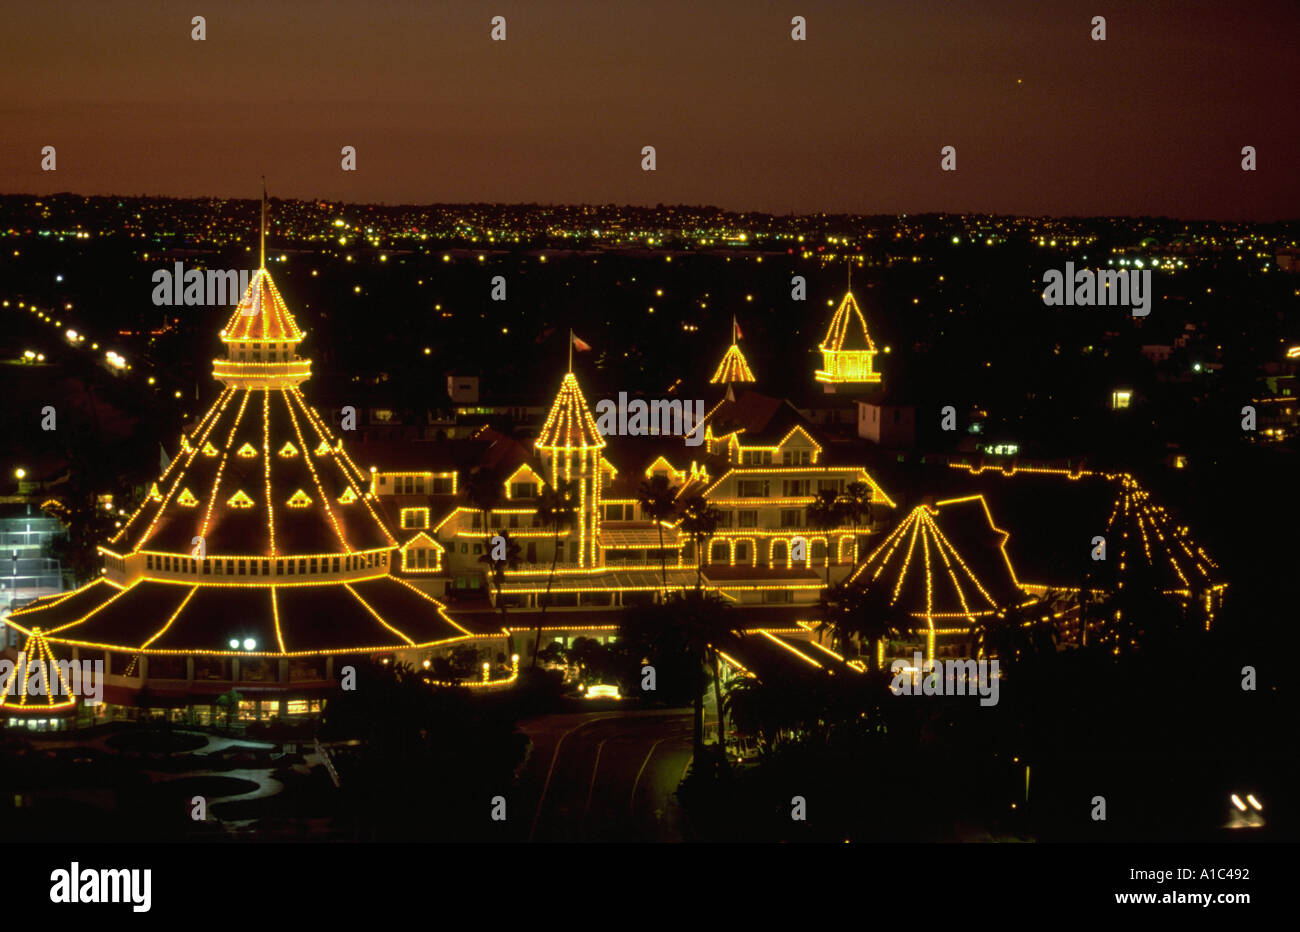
605	775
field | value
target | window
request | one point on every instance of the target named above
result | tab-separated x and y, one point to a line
796	457
725	518
718	552
791	517
782	595
830	485
742	551
523	490
415	519
752	488
747	519
795	488
442	485
780	552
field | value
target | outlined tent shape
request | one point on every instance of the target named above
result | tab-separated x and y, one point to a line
36	683
946	565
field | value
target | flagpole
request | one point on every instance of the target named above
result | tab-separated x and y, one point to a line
570	350
262	265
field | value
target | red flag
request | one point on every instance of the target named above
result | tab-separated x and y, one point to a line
739	335
580	346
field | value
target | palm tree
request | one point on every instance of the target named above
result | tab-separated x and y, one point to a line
855	612
496	569
1017	630
700	520
826	512
856	502
555	510
701	622
658	501
483	490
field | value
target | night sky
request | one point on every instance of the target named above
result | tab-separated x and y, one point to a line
1045	120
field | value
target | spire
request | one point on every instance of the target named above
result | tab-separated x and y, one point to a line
570	425
734	367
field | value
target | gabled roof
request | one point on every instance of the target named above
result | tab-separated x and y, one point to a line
763	419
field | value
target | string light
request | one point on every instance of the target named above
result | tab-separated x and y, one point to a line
848	325
733	368
36	653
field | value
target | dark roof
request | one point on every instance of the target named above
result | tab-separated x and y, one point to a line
763	419
166	616
263	422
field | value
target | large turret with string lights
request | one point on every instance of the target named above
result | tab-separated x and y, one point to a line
848	352
570	445
260	539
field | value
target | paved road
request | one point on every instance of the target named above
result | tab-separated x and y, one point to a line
605	775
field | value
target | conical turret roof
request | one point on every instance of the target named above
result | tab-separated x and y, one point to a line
35	684
848	329
931	574
570	424
733	368
261	314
